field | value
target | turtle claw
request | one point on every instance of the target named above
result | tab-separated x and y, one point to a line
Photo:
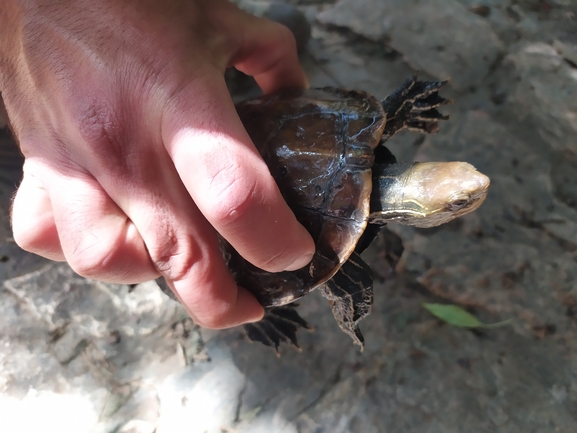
422	127
429	116
433	101
279	325
260	334
414	106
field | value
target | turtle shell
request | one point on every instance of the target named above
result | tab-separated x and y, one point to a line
319	146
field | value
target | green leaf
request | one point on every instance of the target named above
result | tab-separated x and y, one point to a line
456	316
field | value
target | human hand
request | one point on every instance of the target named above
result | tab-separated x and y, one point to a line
134	154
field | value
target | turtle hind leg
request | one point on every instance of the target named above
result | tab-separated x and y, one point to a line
279	324
350	293
414	106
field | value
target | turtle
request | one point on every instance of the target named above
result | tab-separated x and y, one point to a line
325	148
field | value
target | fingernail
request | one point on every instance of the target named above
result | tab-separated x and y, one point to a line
300	262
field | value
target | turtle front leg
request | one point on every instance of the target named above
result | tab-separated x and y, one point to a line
414	106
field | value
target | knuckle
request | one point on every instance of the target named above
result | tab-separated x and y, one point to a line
37	240
33	230
91	258
183	264
233	194
175	256
191	269
202	283
95	124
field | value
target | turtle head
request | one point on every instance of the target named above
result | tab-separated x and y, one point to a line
426	194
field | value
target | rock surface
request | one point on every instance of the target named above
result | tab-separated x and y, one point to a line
78	355
424	33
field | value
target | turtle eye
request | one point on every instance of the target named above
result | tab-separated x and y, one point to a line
458	204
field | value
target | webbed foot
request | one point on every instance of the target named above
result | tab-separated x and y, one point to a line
350	293
279	324
414	106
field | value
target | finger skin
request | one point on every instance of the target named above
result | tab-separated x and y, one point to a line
32	218
266	51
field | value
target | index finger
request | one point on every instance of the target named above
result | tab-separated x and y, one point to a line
267	51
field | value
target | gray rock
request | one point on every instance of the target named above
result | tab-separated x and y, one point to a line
424	33
546	92
103	347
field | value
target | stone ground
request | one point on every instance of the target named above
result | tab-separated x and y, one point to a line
78	355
